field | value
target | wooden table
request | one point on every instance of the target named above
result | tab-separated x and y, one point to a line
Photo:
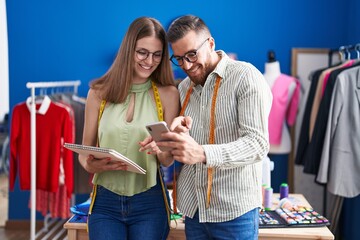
295	233
77	231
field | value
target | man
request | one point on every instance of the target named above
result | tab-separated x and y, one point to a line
226	104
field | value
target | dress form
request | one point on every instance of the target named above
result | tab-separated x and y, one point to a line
271	73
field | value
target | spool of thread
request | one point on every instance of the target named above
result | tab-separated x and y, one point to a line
263	187
268	198
284	191
286	203
266	172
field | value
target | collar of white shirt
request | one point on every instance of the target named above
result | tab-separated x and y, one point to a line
45	104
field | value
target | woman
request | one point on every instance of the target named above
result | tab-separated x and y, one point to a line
128	205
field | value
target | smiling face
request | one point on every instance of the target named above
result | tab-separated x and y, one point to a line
203	66
147	57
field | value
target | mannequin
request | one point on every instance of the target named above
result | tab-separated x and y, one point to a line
271	74
280	143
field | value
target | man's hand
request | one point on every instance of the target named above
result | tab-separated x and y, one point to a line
186	149
181	124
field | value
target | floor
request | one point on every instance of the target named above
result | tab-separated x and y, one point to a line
14	234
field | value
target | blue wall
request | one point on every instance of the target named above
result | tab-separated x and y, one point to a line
78	39
353	14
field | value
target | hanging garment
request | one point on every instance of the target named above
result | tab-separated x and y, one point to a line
56	204
280	110
340	160
313	151
82	181
53	128
304	136
303	140
318	95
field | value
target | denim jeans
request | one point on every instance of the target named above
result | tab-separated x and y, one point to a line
245	227
142	216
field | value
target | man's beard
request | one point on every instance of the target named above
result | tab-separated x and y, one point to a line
201	78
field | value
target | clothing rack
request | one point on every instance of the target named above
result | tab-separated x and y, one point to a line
342	51
33	86
345	54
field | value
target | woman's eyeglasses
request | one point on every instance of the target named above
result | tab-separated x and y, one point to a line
190	57
143	54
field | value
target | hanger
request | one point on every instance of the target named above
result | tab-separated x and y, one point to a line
357	49
39	98
347	51
342	53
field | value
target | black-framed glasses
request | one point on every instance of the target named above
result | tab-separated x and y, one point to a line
143	54
190	57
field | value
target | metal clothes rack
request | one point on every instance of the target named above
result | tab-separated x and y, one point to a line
33	86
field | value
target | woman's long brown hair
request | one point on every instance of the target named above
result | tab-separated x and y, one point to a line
115	84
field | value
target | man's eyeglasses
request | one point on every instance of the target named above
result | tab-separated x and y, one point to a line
143	54
190	57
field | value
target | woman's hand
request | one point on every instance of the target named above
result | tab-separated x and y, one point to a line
96	165
149	145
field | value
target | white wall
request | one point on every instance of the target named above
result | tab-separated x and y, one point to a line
4	65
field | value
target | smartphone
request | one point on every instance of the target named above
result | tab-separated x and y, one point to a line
155	130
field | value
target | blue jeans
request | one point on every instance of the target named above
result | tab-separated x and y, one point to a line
245	227
142	216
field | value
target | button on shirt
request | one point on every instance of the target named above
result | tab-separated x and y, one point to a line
241	142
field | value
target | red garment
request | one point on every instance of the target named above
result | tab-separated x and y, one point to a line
57	204
53	127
